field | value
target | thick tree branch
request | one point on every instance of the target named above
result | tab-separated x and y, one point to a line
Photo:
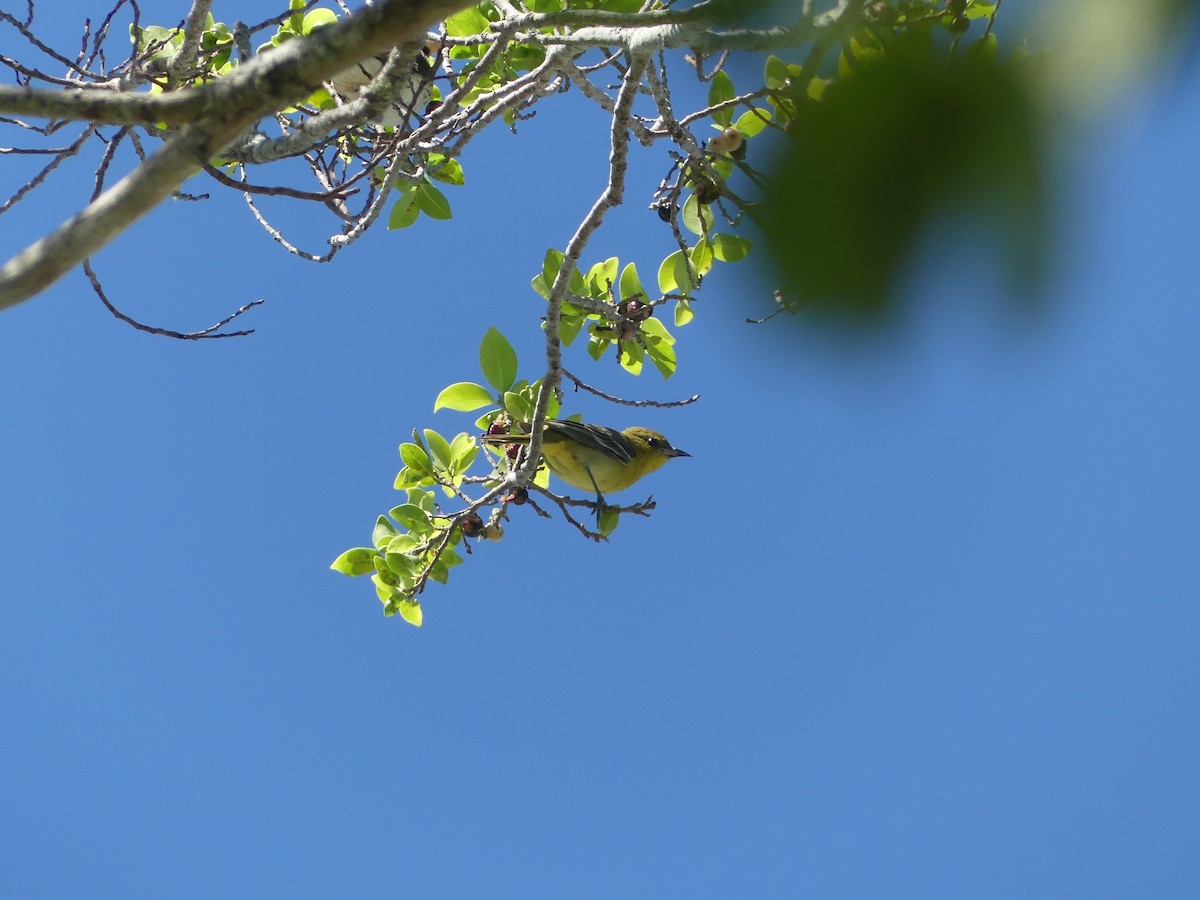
233	105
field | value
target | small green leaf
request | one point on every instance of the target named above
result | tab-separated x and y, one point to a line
775	74
439	448
730	247
468	22
423	499
551	263
433	202
697	218
447	561
655	332
358	561
463	451
411	517
406	478
719	91
660	349
752	121
702	257
568	328
518	407
317	18
683	312
673	276
445	170
417	460
383	532
596	346
497	360
631	285
463	396
607	521
601	275
404	210
386	590
983	49
633	355
410	612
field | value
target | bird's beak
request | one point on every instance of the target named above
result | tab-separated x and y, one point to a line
675	451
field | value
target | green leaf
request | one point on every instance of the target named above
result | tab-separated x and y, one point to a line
463	396
410	612
463	451
317	18
518	407
633	355
468	22
551	263
601	275
383	532
358	561
404	545
433	202
568	328
697	217
673	276
659	347
730	247
720	90
406	478
447	561
404	210
631	285
983	49
702	257
423	499
879	175
417	460
439	448
386	590
445	170
607	521
655	332
411	517
497	360
683	312
775	74
596	346
752	121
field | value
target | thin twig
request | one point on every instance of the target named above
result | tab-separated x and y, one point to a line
657	404
212	331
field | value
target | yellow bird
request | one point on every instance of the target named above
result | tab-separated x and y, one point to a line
596	458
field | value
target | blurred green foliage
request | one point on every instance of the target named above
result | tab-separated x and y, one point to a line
888	149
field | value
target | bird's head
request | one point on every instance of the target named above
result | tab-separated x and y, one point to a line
654	441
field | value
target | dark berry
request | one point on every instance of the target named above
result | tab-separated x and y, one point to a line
471	525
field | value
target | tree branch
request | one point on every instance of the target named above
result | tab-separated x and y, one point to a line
232	105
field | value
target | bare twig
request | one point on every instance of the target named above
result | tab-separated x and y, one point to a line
212	331
657	404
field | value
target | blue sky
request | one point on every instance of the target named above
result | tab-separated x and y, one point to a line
916	620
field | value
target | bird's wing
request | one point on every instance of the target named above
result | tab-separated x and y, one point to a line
604	440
